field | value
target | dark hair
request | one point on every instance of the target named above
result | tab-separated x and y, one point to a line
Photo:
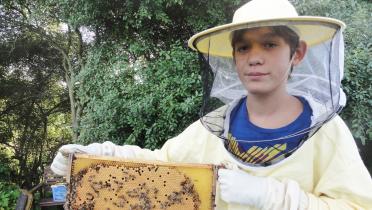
289	36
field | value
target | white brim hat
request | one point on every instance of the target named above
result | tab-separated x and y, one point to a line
261	13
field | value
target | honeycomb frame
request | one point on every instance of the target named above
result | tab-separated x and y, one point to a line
101	182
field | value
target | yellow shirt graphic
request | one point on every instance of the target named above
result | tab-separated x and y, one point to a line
256	154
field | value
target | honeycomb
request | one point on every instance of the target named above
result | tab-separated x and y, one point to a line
108	183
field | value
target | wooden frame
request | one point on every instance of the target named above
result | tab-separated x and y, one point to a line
115	183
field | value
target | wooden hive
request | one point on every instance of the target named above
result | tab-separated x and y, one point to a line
110	183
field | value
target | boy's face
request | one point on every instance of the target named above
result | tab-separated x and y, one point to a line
263	61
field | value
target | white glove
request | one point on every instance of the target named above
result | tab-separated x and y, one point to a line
239	187
60	162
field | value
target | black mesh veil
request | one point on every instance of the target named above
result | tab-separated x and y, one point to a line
210	104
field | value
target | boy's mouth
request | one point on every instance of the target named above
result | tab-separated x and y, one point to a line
256	74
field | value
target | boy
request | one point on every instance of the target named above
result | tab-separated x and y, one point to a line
279	136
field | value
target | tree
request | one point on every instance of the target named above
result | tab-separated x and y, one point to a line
31	99
41	18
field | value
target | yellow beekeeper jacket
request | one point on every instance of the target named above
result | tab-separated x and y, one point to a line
327	167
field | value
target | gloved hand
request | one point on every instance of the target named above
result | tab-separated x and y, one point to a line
237	186
60	162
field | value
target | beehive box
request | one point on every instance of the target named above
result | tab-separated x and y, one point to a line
110	183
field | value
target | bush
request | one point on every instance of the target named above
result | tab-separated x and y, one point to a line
8	195
144	103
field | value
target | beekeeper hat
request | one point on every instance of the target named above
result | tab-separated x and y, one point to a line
259	13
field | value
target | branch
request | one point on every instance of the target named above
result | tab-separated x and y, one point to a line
55	45
80	48
20	103
7	144
55	108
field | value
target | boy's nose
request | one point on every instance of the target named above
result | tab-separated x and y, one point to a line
255	62
255	56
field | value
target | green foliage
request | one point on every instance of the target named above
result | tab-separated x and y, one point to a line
8	195
357	85
358	71
151	24
32	100
140	84
168	98
143	103
358	64
8	166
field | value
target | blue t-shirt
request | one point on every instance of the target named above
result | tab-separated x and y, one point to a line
257	145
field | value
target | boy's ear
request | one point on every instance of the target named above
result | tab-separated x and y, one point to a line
300	53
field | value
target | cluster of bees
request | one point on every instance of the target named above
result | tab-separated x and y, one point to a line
118	186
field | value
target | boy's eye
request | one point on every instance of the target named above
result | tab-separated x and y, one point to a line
242	48
270	45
